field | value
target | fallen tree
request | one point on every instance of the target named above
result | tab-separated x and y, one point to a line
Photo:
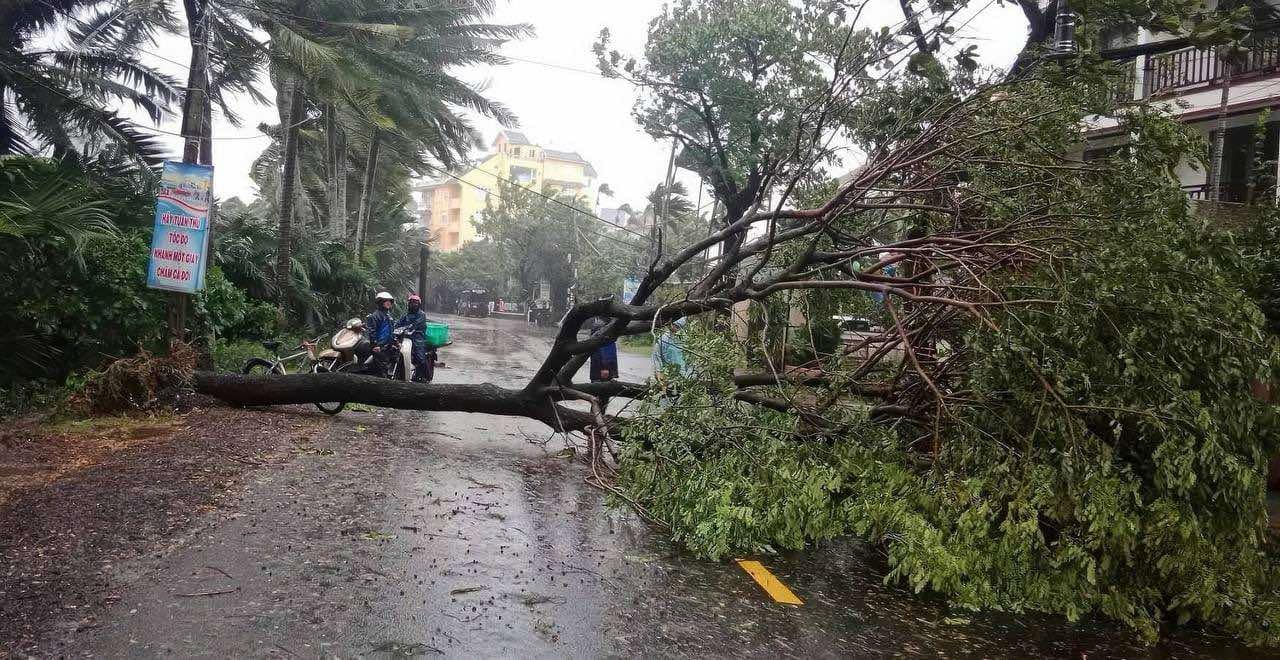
536	403
1052	411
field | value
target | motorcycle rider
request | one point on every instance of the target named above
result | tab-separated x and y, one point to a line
378	327
416	320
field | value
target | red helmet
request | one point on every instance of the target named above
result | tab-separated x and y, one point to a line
413	297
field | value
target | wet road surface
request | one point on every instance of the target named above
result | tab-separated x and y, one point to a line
402	534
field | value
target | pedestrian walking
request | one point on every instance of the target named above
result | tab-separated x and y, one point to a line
604	360
669	351
888	271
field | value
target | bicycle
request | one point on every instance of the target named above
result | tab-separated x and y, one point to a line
308	358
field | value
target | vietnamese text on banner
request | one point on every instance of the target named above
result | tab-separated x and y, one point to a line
180	242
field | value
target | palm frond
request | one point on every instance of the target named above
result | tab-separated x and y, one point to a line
111	126
302	54
46	201
121	26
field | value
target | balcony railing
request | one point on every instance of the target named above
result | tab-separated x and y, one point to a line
1193	67
1233	192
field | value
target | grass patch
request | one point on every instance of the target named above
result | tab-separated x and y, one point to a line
110	424
637	343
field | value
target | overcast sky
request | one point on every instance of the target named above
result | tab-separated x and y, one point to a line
561	101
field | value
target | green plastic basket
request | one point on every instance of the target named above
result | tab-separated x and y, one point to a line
437	334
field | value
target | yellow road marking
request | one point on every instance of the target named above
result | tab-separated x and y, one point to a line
769	582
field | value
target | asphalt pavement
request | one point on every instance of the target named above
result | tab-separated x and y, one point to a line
403	534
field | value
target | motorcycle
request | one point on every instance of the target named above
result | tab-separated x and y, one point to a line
352	353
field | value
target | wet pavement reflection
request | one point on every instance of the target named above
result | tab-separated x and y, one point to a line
403	534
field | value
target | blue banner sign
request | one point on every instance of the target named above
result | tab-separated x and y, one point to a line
180	242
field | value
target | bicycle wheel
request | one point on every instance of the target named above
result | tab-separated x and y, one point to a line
325	367
261	367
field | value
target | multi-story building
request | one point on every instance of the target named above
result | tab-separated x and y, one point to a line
451	204
1189	82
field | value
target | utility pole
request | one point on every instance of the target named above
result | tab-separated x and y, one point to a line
424	255
1213	192
660	217
573	261
711	229
196	133
1064	30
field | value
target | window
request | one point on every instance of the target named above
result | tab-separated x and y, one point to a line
1099	153
522	175
516	151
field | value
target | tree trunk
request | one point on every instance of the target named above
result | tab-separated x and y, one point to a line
195	104
288	178
195	131
559	295
322	388
424	256
337	172
343	179
366	193
7	130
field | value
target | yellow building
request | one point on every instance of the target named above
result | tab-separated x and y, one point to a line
451	205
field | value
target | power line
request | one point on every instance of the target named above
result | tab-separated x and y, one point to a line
143	127
321	21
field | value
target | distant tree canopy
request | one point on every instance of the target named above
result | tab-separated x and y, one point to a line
552	237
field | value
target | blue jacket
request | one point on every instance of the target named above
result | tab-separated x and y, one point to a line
378	326
605	357
416	320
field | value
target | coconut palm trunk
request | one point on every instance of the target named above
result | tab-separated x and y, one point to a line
195	107
366	192
336	173
288	198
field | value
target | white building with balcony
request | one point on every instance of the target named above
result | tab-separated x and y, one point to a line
1189	82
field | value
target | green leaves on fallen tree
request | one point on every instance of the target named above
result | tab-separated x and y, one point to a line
1100	452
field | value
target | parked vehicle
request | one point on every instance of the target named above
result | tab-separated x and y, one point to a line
354	355
862	338
540	312
308	359
474	302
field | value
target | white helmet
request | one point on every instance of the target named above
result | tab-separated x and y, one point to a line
383	295
355	323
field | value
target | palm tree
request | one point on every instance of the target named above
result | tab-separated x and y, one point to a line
226	59
384	67
314	48
59	97
50	198
418	103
